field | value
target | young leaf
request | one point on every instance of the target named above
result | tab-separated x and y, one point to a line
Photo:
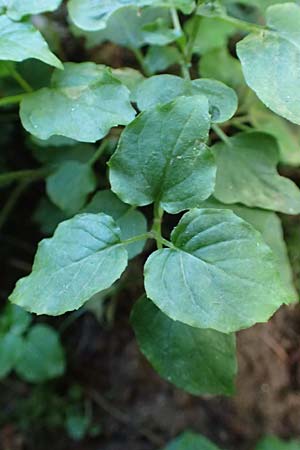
191	441
270	61
198	361
21	40
131	222
83	258
273	443
16	9
218	274
158	58
83	103
69	186
41	355
162	157
10	349
269	225
246	173
161	89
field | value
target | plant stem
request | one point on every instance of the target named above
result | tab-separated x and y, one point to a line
219	132
98	153
156	228
12	200
139	237
185	62
176	21
192	38
242	24
11	100
140	58
32	175
20	80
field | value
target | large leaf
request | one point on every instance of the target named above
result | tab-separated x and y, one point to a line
191	441
246	173
273	443
69	186
83	257
161	89
218	273
271	61
269	225
16	9
83	103
94	14
198	361
162	157
41	356
131	222
21	40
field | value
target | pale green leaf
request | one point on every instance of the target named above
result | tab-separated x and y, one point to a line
218	274
83	103
83	257
191	441
198	361
271	61
273	443
162	157
21	40
269	225
69	186
131	222
16	9
247	174
42	356
159	59
161	89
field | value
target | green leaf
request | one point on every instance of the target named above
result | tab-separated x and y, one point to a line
81	94
12	34
162	157
14	319
191	441
159	33
161	89
42	356
270	61
10	348
286	133
93	15
131	222
159	59
48	216
69	186
130	78
218	274
83	257
198	361
273	443
246	173
16	9
269	225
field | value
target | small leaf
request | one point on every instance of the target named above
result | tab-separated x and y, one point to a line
42	356
270	61
219	273
273	443
21	40
83	103
246	173
191	441
159	59
83	258
159	33
69	186
16	9
161	89
48	216
162	157
198	361
131	222
14	319
10	349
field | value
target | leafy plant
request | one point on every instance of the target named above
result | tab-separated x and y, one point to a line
197	145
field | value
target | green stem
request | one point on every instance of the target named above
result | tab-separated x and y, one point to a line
21	81
31	175
11	100
139	237
176	21
192	38
242	24
140	58
12	200
185	62
98	153
219	132
156	228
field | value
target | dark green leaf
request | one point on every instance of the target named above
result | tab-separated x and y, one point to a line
273	443
191	441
